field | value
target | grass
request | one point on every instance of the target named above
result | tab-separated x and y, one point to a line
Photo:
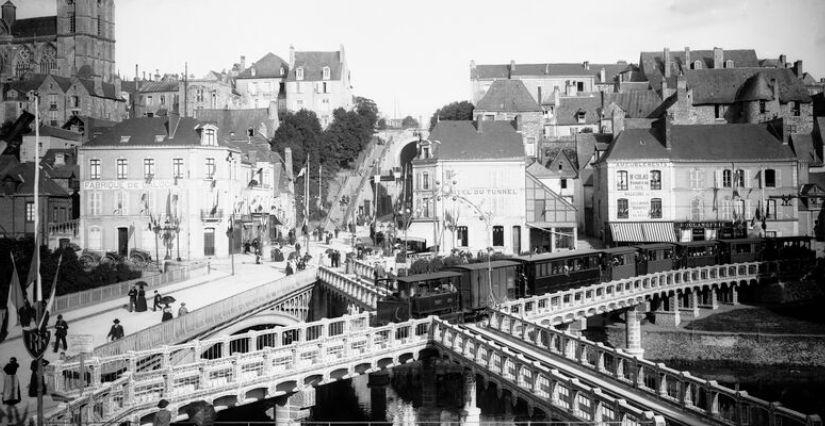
797	319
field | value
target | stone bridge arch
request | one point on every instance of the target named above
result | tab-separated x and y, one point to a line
267	319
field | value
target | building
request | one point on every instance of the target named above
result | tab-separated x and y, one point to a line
695	182
212	91
62	98
509	100
157	97
78	41
17	200
50	138
262	83
542	79
319	82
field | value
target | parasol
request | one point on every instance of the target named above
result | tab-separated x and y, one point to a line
167	300
142	284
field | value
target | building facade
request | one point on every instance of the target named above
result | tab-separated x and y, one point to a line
319	82
262	83
508	100
62	98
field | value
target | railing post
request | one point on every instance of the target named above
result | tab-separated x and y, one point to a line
253	340
168	382
96	376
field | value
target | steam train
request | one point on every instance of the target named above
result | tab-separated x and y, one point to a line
465	291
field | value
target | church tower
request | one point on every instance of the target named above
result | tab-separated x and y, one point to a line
86	38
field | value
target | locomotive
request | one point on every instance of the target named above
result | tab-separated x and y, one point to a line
465	292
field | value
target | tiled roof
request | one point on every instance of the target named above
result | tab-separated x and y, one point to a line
269	66
508	96
567	111
636	103
634	85
142	132
502	71
59	133
460	140
652	63
587	144
705	143
159	86
35	81
817	179
23	173
238	121
313	64
30	27
721	86
756	88
803	146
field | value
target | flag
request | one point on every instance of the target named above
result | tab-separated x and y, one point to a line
301	173
51	294
34	272
15	299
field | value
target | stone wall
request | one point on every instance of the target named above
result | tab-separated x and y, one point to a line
752	348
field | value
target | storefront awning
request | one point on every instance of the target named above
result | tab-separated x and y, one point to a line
643	232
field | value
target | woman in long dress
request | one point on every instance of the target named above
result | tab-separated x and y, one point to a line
33	381
140	303
11	386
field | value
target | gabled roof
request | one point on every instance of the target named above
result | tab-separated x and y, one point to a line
239	121
59	133
176	131
652	63
41	26
756	88
502	71
313	64
636	103
23	173
508	96
701	143
269	66
460	140
569	108
721	86
587	144
803	146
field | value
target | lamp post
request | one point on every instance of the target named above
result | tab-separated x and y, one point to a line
231	215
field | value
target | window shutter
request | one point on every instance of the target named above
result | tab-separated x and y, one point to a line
778	178
717	183
747	213
747	178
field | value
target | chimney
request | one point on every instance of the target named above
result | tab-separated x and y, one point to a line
603	75
666	60
718	58
681	83
157	74
687	58
137	73
782	60
586	65
665	93
288	162
291	57
144	76
556	97
668	131
242	63
472	65
775	89
511	68
797	68
9	13
617	120
343	56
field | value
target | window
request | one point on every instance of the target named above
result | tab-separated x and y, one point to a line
253	88
199	94
655	180
696	179
121	203
770	212
762	107
717	111
148	100
299	104
177	168
580	86
94	169
122	168
655	208
299	75
326	77
75	102
739	209
726	178
29	211
739	179
462	236
325	87
770	178
696	209
72	22
622	211
621	180
425	179
99	25
148	167
96	203
563	182
54	214
95	238
210	136
210	168
796	108
163	99
726	209
729	63
498	236
540	208
426	203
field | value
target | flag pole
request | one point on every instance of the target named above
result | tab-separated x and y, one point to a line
306	205
40	312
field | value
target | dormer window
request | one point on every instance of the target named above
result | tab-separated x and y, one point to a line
729	63
580	116
159	138
326	73
697	65
252	71
209	137
125	138
283	70
299	73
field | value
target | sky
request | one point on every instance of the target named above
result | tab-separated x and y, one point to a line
413	57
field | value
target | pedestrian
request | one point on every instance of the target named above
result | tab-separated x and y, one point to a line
33	381
156	302
116	331
11	386
297	248
61	329
164	416
182	310
132	298
140	302
336	232
167	313
26	314
289	270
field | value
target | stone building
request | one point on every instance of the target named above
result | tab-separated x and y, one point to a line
78	41
695	182
17	200
319	82
212	91
508	100
262	83
50	138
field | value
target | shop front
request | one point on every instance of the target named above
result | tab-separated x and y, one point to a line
710	230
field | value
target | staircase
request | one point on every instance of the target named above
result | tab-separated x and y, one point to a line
355	183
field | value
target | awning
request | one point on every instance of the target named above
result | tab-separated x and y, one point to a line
659	232
626	232
643	232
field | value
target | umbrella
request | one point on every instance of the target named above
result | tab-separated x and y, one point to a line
167	300
142	284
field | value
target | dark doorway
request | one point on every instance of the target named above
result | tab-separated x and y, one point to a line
123	241
209	242
517	240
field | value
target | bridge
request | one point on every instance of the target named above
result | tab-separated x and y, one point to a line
554	371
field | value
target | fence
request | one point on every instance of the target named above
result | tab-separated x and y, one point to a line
94	296
208	317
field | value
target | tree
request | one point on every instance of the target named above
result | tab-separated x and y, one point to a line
301	132
368	110
462	110
382	124
409	123
345	137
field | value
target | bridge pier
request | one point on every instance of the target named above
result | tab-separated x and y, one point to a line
377	382
669	314
633	331
730	295
709	299
470	413
690	303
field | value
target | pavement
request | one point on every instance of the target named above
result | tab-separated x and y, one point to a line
195	292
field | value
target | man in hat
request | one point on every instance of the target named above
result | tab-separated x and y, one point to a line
156	302
132	298
164	416
116	332
61	328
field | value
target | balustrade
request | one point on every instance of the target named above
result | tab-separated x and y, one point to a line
366	295
658	380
